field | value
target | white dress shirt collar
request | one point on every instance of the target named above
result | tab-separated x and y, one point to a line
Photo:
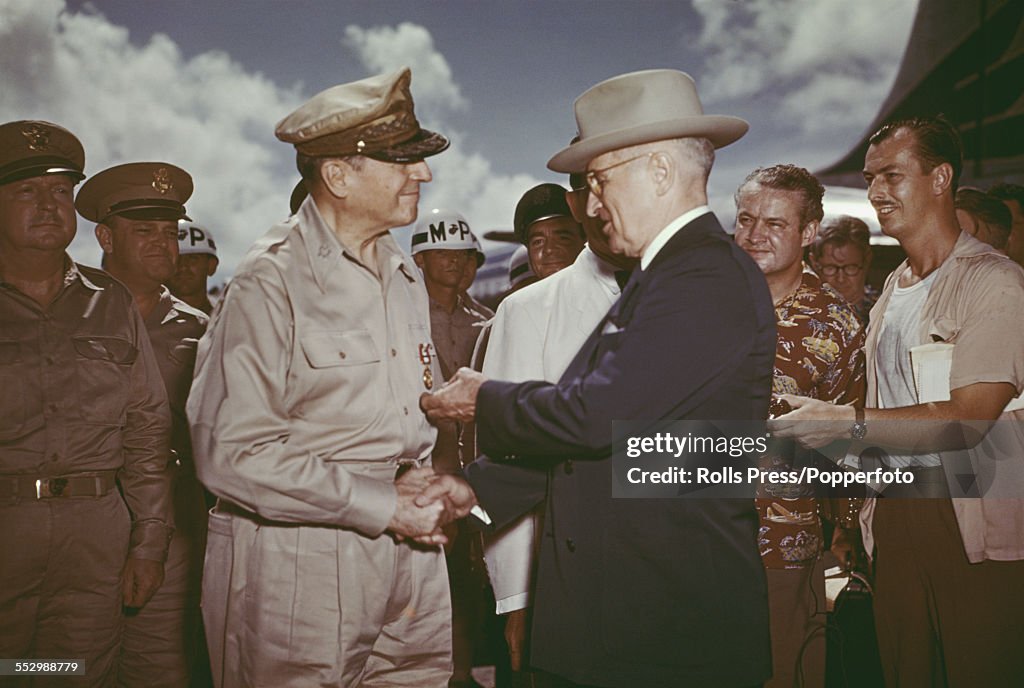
669	231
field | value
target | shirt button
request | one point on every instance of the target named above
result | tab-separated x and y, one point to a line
393	353
406	409
570	544
341	354
568	467
52	408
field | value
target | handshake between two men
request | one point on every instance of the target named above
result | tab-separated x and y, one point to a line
428	500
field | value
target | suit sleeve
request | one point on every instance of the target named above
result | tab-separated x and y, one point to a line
145	478
241	427
693	322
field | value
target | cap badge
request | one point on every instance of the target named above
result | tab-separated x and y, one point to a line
162	181
38	137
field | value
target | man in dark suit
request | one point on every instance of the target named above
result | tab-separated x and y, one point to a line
636	592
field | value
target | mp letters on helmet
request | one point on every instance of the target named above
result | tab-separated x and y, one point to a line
440	230
196	237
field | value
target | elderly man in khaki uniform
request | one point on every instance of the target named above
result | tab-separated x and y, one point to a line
137	207
304	412
82	405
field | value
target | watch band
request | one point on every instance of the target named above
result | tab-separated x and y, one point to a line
859	428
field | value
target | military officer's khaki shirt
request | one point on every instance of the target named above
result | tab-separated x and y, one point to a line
174	329
80	392
307	385
455	334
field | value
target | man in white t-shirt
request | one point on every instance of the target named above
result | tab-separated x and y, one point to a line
948	570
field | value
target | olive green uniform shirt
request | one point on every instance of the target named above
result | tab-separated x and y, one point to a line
82	393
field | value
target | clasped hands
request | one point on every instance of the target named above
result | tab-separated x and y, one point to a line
426	502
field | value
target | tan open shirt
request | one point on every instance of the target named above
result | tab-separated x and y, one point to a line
976	303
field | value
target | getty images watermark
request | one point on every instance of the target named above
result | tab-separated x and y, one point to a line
716	459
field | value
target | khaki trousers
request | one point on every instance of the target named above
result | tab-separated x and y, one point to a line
303	606
60	584
159	645
942	621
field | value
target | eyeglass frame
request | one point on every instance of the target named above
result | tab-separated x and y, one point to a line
833	270
596	185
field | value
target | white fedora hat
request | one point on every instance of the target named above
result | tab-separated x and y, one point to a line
640	107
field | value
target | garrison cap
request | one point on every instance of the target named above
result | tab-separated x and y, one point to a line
542	202
194	238
372	117
32	148
443	230
137	191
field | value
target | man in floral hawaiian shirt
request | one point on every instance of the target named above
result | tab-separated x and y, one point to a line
820	353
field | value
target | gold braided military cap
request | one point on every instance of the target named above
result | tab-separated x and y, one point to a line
372	117
137	191
32	148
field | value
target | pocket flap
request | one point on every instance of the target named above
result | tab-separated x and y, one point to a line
332	349
99	348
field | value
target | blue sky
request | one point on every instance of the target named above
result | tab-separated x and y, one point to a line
201	84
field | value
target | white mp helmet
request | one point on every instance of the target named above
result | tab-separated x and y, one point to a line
443	230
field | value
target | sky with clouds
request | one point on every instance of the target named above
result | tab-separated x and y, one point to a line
201	84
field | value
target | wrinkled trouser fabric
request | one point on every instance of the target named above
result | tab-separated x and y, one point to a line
303	606
941	620
160	641
60	584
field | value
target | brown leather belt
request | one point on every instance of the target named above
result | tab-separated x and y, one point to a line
31	487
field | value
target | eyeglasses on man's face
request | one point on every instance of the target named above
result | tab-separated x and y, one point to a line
596	179
850	269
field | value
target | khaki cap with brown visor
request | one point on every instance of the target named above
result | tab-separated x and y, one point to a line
137	191
33	148
372	117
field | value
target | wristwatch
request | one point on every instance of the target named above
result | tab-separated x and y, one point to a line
859	428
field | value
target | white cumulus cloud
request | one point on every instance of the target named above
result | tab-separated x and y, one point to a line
829	62
130	101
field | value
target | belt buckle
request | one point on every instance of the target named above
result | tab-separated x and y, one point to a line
404	467
50	487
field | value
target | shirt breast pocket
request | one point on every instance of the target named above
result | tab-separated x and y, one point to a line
103	371
344	381
12	401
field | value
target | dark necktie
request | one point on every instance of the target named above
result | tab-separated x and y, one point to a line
622	276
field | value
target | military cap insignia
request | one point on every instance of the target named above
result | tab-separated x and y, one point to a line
38	137
162	180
